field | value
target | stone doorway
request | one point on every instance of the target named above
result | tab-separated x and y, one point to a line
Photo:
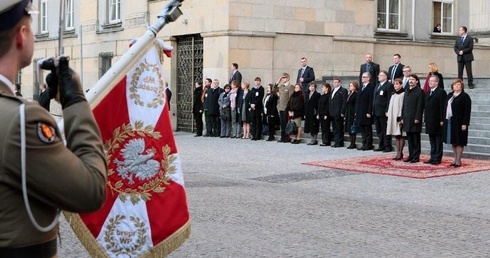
189	70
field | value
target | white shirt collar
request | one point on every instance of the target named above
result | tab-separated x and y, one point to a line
7	82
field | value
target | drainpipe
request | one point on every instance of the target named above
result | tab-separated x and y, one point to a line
413	20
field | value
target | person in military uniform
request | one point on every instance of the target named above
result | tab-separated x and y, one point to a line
57	177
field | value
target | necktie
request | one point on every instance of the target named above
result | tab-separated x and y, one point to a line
302	72
368	67
393	72
404	81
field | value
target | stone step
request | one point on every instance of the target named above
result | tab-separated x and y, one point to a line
475	108
480	119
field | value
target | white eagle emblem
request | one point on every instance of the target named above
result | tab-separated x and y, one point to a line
136	162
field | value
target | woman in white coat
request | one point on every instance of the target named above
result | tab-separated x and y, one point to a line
394	114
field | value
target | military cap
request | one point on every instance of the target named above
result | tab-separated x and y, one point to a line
12	11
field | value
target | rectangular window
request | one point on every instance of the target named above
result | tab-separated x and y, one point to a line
443	16
114	11
43	16
389	15
105	62
69	15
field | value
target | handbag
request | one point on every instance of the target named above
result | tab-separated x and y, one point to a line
291	128
355	129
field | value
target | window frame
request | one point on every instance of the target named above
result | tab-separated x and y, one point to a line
43	17
387	17
69	15
105	62
117	5
441	18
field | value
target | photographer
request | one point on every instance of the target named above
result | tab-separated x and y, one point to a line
57	177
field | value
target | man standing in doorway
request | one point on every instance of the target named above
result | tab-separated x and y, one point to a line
463	47
305	75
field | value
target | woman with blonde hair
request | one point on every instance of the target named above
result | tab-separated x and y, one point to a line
433	70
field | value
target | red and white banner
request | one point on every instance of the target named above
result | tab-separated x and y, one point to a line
145	213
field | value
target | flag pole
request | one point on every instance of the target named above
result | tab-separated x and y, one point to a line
104	85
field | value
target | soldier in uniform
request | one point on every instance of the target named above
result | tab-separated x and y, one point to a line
57	177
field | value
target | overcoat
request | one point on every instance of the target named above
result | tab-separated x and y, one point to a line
311	122
365	105
461	107
413	109
434	111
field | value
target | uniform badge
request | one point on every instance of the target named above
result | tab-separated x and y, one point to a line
46	133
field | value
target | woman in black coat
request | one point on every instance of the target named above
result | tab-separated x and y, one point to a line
296	110
271	113
311	121
458	113
323	111
350	112
243	106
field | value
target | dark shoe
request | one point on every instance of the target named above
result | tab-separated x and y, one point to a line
222	136
370	148
198	135
280	140
457	165
435	162
428	161
452	165
296	141
398	158
408	160
335	146
352	146
388	150
313	143
414	160
379	149
471	85
324	145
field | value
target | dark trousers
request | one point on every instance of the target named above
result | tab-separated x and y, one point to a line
380	122
209	125
413	145
272	127
216	125
435	147
367	136
256	126
469	72
199	123
326	133
338	131
283	118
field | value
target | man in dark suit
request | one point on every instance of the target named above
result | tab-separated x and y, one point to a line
364	111
211	109
336	110
306	75
257	108
370	67
396	70
434	119
381	101
407	71
412	111
463	47
235	75
197	108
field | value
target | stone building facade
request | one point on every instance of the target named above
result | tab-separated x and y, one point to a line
266	38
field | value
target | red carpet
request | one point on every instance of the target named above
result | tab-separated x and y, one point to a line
383	164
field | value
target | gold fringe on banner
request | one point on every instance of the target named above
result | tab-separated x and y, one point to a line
93	247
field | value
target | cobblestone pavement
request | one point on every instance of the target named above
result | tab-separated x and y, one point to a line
256	199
